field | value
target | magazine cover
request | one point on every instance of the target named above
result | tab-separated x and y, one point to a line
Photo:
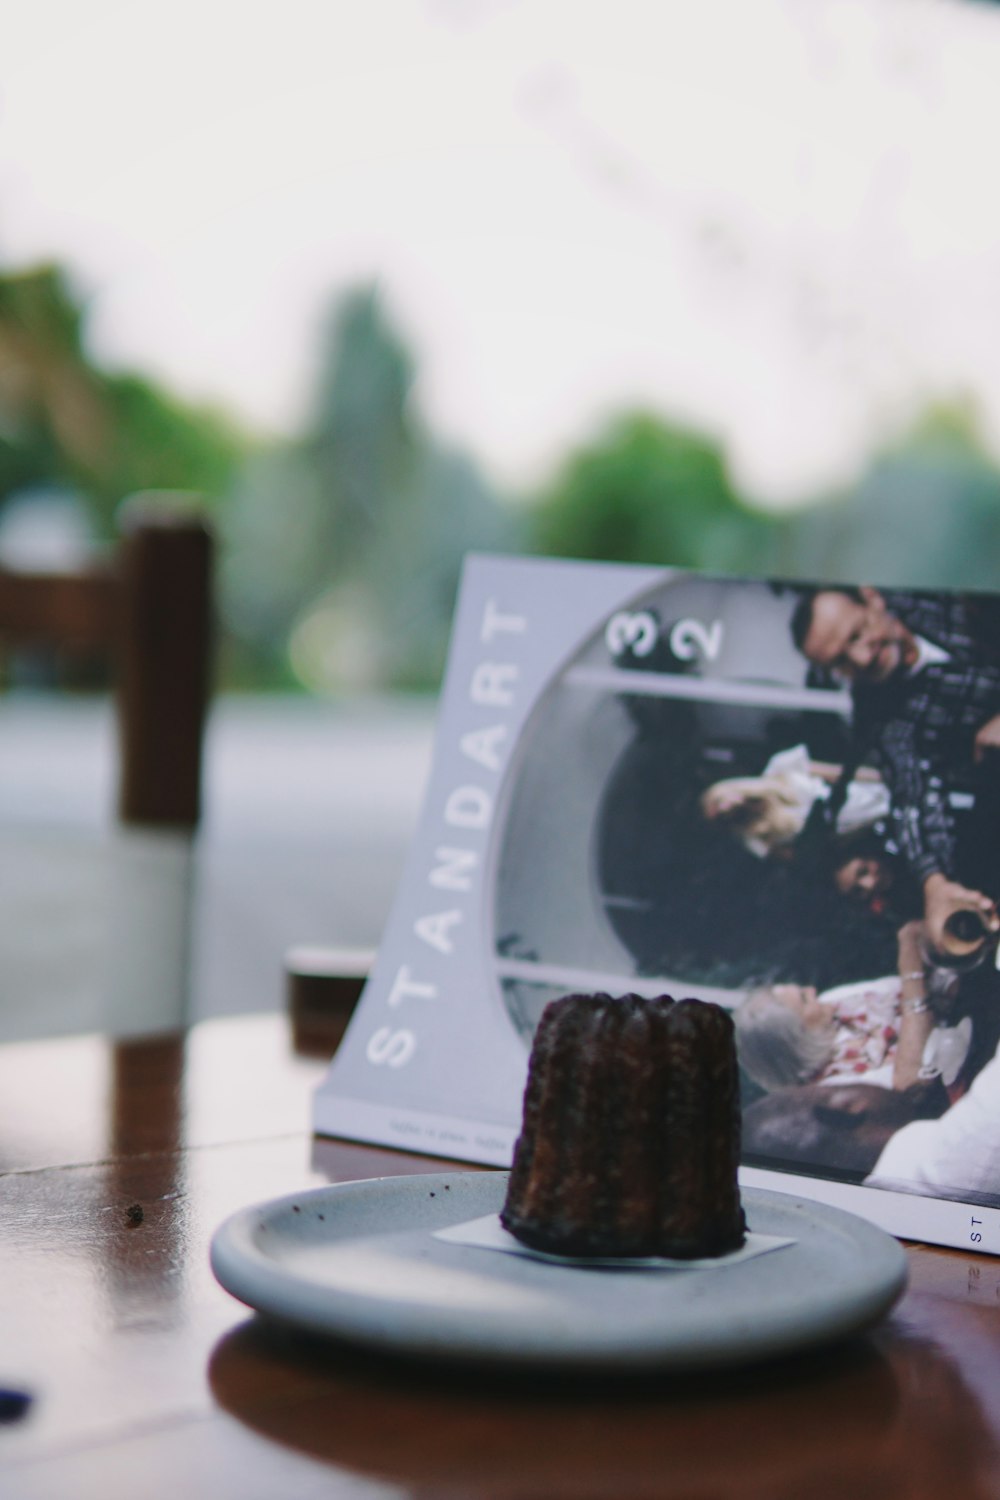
782	798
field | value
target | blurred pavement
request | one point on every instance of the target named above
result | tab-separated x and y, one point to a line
309	807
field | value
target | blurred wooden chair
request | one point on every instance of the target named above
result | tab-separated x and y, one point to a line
148	611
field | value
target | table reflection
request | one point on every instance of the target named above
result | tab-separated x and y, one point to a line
444	1431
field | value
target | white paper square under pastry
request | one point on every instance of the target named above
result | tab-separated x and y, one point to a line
488	1233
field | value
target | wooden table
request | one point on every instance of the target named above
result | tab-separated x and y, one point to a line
117	1164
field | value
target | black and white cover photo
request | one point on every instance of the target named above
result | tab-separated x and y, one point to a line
780	797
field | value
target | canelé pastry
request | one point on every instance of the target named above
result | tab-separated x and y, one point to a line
630	1139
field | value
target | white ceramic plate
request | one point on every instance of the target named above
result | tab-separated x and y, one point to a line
359	1262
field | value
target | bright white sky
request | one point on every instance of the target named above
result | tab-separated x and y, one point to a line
777	218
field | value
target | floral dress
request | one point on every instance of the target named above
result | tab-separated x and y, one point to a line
867	1034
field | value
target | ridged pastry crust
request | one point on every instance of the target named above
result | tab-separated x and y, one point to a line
630	1139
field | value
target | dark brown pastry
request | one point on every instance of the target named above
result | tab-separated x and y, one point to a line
630	1139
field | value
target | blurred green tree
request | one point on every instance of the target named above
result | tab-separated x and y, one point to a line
649	491
362	435
159	442
348	541
924	514
64	422
53	417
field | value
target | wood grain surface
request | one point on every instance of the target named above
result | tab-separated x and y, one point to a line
147	1379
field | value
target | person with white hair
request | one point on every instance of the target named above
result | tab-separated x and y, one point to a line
874	1032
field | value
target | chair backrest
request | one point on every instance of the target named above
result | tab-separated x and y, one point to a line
149	610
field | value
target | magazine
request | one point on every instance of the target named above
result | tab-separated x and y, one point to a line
778	797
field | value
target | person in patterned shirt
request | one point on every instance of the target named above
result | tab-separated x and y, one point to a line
924	674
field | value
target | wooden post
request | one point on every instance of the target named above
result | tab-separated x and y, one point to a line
164	663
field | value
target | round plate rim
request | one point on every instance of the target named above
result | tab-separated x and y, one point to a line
245	1271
